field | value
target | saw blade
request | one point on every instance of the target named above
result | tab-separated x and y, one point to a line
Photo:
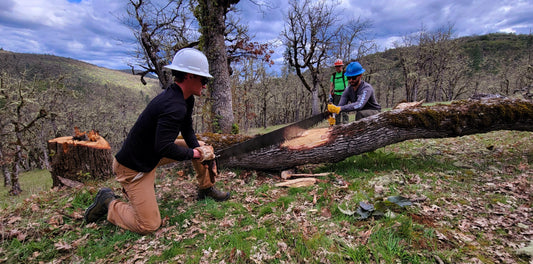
277	136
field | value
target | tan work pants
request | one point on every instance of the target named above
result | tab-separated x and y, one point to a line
141	215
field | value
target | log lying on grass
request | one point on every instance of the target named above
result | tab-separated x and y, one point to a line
76	160
330	145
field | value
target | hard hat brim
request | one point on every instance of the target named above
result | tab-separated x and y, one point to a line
354	74
188	70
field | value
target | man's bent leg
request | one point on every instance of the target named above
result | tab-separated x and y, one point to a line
203	175
206	173
345	117
141	215
365	113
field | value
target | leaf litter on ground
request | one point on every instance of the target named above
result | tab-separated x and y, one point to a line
480	212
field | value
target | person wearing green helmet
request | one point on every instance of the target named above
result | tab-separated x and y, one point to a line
338	84
152	142
359	96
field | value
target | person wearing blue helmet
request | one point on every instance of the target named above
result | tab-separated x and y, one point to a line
359	96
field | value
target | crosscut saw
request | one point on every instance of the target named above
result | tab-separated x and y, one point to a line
277	136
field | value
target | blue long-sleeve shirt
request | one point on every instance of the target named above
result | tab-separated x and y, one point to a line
361	98
153	134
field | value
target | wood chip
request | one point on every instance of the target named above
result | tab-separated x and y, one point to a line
301	182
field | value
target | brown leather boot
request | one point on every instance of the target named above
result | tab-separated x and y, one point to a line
99	208
212	192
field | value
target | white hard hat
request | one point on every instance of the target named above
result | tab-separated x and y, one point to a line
191	61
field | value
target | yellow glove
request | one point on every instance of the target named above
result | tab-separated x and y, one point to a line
333	109
207	152
331	120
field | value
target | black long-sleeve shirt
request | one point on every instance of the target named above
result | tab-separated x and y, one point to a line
153	134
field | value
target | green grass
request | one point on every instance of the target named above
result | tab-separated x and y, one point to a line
262	223
31	183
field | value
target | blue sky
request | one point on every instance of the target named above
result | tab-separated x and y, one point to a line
90	30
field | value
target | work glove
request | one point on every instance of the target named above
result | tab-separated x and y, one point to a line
207	152
331	98
331	120
333	109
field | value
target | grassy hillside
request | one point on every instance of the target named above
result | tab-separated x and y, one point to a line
87	96
76	73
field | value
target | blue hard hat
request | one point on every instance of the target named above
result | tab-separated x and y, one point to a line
354	69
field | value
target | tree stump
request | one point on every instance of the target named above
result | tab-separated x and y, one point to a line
76	161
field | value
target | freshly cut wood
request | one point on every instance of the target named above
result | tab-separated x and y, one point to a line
301	182
309	139
459	118
79	160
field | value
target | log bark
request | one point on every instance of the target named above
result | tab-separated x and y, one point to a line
79	161
438	121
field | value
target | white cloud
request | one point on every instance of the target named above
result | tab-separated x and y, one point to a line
75	46
66	29
91	31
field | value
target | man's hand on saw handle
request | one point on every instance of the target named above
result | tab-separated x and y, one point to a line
206	153
334	109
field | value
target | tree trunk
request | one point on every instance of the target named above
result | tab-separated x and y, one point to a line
314	94
4	169
15	184
438	121
79	161
211	16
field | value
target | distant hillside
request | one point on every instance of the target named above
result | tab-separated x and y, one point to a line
77	73
108	101
148	76
453	69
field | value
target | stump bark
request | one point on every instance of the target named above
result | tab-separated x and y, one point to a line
75	161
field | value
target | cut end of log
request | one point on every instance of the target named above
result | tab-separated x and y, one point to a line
100	142
309	139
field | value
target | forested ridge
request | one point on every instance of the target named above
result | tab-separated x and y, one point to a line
45	96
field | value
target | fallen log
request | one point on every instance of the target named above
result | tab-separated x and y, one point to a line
330	145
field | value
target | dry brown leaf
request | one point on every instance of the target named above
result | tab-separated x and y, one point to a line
227	222
77	215
14	219
62	246
34	207
56	220
325	212
364	235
